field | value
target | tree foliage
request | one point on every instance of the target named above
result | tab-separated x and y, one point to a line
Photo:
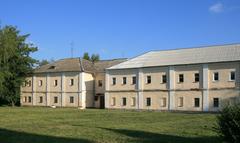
229	123
15	62
94	57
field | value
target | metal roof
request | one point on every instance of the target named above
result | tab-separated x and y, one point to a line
210	54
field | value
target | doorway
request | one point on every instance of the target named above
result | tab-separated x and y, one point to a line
102	102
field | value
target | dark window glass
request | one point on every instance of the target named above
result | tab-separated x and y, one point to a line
215	102
71	82
71	99
124	101
55	99
196	102
55	82
181	78
196	77
232	75
134	79
149	79
124	80
114	80
216	76
29	99
148	101
100	83
40	99
164	79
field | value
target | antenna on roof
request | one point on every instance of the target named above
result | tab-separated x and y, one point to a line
71	46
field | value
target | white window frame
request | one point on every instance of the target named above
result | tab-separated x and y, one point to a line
123	80
213	79
231	74
179	78
40	83
71	82
113	80
180	104
146	81
55	83
133	101
113	101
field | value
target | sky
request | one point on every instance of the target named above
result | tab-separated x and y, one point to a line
121	28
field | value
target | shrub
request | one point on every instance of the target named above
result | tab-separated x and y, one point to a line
229	123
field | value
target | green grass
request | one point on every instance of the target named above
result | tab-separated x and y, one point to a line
71	125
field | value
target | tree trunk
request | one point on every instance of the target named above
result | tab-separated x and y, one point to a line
13	104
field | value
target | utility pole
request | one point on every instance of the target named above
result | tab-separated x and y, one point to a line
72	46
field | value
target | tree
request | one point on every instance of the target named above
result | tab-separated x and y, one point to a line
15	62
45	62
86	56
95	58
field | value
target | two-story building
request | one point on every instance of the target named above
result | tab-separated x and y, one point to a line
72	82
194	79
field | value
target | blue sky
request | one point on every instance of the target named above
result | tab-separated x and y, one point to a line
121	28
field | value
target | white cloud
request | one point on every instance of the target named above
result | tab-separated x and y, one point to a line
216	8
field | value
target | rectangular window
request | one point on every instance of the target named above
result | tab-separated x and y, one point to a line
180	102
55	99
215	76
232	75
164	78
215	102
71	82
124	101
181	78
96	98
40	99
148	101
29	83
71	99
25	99
55	82
124	80
196	75
196	102
149	80
100	83
134	79
114	81
113	101
163	102
29	99
40	83
133	101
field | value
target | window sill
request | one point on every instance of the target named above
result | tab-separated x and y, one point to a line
231	80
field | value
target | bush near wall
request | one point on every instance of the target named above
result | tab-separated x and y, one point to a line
229	123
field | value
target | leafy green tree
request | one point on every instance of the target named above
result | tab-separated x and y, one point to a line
15	62
95	57
86	56
45	62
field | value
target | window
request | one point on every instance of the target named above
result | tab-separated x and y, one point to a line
71	82
24	83
55	82
124	101
181	78
196	102
148	101
215	102
96	98
71	99
114	80
180	102
164	78
55	99
134	79
215	76
148	79
163	102
133	101
113	101
40	99
124	80
100	83
40	83
196	75
25	99
29	99
28	83
232	75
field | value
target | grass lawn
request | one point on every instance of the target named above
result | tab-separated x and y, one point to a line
71	125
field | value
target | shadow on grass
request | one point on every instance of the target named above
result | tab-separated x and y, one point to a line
146	137
9	136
